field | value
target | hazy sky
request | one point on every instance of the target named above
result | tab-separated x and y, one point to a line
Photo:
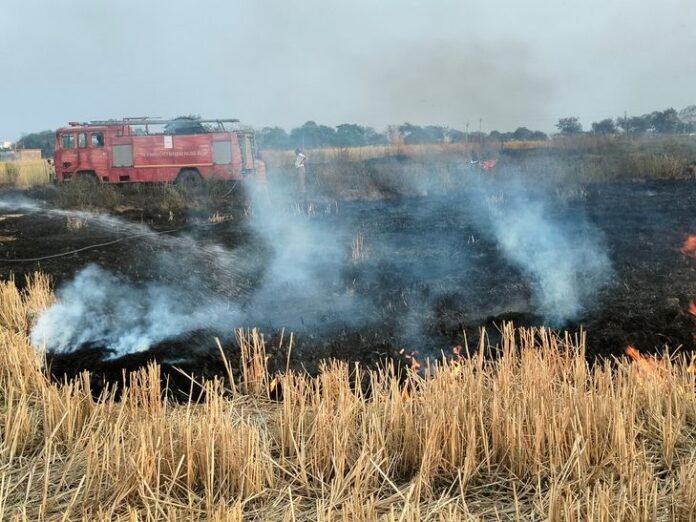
282	62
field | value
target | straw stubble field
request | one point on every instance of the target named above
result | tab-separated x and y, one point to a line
532	433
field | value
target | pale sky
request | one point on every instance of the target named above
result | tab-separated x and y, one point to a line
283	62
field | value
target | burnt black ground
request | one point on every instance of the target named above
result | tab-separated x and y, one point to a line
426	261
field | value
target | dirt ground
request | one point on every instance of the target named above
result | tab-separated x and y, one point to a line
421	257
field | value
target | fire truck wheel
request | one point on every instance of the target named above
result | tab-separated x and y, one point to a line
189	178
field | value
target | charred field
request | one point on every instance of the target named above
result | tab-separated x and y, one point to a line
362	281
273	359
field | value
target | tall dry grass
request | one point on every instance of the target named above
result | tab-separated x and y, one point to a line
535	434
284	158
24	174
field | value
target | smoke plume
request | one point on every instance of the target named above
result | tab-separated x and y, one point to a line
102	309
301	275
206	286
563	254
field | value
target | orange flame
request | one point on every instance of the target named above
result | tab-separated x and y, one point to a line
689	247
646	364
411	357
415	365
692	308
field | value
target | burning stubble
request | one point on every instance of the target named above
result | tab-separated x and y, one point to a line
302	281
302	285
100	309
564	255
202	286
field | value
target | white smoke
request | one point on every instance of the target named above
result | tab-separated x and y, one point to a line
302	280
202	286
104	221
17	202
102	309
564	256
302	284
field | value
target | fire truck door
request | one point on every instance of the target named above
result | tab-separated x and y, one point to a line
82	152
98	155
90	151
68	151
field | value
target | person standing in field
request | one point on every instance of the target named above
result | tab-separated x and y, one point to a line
300	160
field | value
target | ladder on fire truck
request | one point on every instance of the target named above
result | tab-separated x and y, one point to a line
147	121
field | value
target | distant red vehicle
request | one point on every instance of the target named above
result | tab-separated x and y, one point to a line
147	150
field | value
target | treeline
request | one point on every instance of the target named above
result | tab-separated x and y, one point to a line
665	122
314	136
44	140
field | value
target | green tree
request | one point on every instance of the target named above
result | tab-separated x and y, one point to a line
372	137
605	127
44	140
273	138
665	122
415	134
688	118
354	135
569	126
622	122
522	134
456	136
436	133
350	135
312	136
639	124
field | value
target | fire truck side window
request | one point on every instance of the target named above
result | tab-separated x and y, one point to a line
97	139
68	141
82	140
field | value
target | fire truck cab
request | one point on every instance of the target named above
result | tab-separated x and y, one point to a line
147	150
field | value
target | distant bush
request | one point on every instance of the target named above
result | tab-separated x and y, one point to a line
44	140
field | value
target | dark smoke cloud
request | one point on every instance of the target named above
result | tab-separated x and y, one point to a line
282	63
454	81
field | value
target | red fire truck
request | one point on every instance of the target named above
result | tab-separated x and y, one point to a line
132	150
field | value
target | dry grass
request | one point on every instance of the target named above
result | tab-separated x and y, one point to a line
534	435
283	158
24	174
84	194
525	145
75	223
216	218
359	251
